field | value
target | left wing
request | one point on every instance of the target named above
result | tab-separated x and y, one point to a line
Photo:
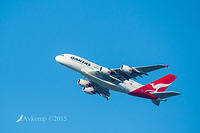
135	71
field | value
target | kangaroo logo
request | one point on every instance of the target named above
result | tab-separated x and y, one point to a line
158	86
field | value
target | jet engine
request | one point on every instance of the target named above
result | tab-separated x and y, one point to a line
105	70
83	83
126	69
89	90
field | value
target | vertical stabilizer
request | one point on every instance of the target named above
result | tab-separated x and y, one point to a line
161	84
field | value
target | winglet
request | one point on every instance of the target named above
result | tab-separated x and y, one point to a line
167	66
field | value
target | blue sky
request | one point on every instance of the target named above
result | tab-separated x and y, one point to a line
110	33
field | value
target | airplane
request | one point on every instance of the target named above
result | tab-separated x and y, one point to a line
101	79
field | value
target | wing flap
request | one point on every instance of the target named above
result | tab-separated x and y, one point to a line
101	91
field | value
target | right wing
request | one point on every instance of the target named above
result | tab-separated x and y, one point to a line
101	91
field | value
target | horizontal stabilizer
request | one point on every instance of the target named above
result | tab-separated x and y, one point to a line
156	102
163	95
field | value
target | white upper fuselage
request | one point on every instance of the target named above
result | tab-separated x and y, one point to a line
88	69
76	63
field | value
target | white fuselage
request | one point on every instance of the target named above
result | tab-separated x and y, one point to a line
88	69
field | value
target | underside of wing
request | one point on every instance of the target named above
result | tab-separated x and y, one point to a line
104	93
100	90
146	69
126	72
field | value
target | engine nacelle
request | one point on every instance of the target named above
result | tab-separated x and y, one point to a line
126	69
89	90
83	83
105	70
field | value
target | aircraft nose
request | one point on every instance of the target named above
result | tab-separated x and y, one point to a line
58	58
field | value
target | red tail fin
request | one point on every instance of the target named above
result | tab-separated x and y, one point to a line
161	84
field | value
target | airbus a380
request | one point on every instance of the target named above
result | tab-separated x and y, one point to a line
101	79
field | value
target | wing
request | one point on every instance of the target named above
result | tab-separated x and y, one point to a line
100	90
103	92
137	71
